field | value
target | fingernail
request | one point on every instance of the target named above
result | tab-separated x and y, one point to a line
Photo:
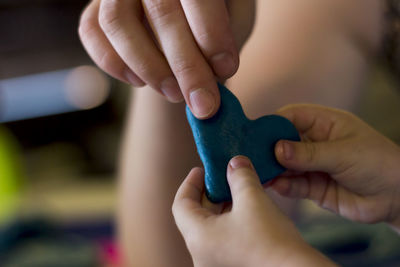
240	162
133	78
288	152
223	65
202	102
170	88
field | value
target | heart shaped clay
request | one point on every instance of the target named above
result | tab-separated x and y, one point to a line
230	133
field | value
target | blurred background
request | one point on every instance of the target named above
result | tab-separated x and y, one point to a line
59	138
61	125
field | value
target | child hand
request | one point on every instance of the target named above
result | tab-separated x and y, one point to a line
171	45
250	232
342	164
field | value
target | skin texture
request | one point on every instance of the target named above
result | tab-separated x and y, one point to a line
308	51
342	164
176	47
251	231
158	149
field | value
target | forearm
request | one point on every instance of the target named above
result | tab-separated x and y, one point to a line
158	152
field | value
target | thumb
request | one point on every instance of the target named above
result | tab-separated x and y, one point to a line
310	156
243	180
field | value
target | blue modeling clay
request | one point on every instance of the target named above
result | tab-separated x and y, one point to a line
230	133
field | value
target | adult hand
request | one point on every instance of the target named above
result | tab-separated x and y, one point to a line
251	231
176	47
342	164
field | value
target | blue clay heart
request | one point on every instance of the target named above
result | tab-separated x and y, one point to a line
230	133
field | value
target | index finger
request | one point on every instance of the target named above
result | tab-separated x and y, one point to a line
313	121
194	75
210	23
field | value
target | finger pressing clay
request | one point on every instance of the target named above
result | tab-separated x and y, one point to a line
230	133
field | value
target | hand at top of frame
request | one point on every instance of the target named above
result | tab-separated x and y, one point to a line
178	47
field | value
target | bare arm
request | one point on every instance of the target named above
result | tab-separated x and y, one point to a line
314	52
158	152
309	51
302	58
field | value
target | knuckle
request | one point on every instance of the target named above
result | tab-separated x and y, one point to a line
208	36
105	60
145	69
87	24
248	192
215	39
153	74
110	17
185	67
311	152
178	205
160	9
247	183
110	63
178	208
175	208
84	29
